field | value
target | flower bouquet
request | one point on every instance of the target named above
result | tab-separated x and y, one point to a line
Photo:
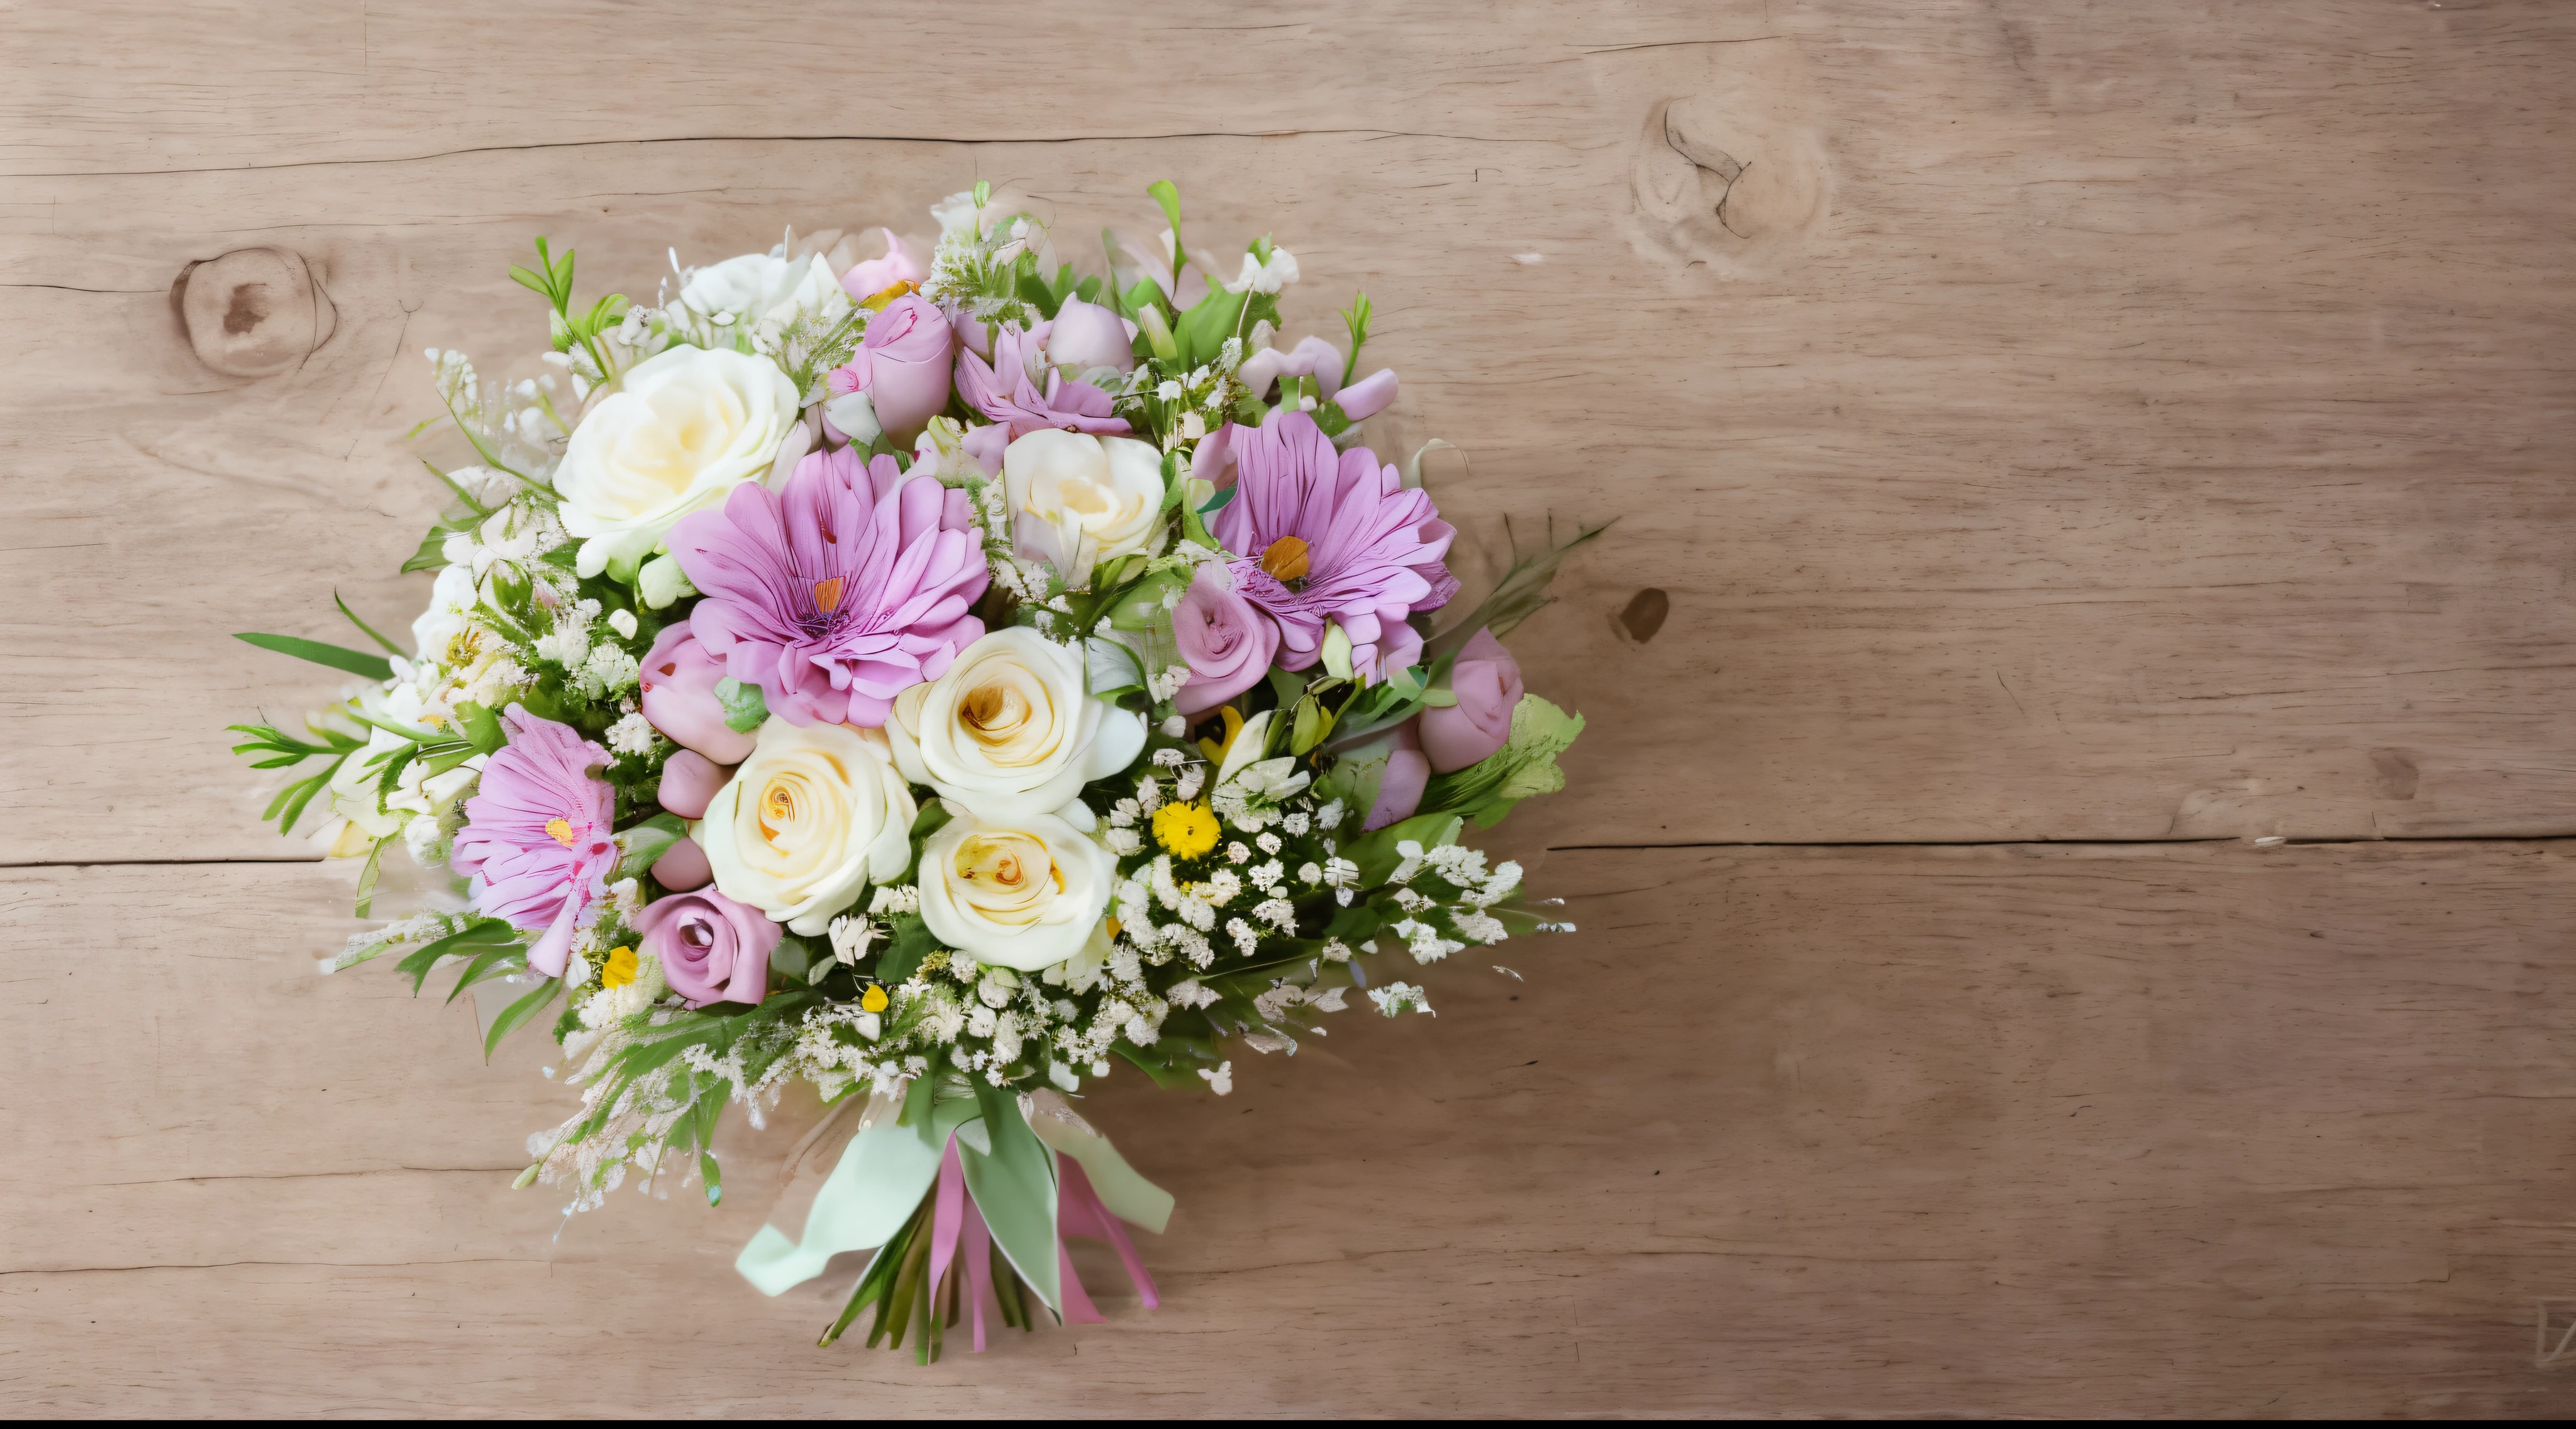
941	683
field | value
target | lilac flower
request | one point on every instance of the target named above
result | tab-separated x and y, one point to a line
538	843
840	592
1004	391
1331	536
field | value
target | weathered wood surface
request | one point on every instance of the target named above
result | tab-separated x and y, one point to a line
2078	421
2121	423
2164	1129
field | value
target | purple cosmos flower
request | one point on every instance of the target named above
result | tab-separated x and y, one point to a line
537	841
1332	536
1004	391
840	592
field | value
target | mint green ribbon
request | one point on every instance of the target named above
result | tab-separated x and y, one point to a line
892	1163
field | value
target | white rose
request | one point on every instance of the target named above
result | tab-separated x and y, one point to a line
1022	893
1008	731
684	429
811	818
758	288
1077	499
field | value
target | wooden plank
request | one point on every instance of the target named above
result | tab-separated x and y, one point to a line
2113	450
2177	1129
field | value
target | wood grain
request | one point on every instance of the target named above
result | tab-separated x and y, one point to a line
2157	432
2130	1130
2030	420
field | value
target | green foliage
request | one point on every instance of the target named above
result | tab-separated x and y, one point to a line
268	747
390	647
1355	318
745	708
473	942
516	1015
338	657
647	842
552	280
1520	594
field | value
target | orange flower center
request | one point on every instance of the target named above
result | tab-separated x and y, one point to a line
1285	559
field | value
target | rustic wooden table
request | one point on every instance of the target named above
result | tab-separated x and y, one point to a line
2078	448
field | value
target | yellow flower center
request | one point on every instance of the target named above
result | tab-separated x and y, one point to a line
1010	877
1185	830
873	1000
619	970
560	830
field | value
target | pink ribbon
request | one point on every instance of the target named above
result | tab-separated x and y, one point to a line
958	1232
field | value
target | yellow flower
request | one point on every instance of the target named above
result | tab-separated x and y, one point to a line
874	999
1186	830
619	970
1215	750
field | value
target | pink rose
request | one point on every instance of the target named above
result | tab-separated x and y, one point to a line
878	274
902	364
1086	335
679	696
1227	643
712	948
1487	681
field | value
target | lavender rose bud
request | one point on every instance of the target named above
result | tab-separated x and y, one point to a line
679	696
683	866
712	948
1087	335
1227	643
1487	681
690	781
1399	788
874	276
902	364
1368	396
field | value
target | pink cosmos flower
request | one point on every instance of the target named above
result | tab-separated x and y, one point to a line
840	592
1325	536
538	845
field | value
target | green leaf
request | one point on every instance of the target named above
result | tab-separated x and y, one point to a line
1165	193
356	662
1204	329
542	287
1217	502
481	934
1355	318
647	842
1520	594
1014	1188
367	877
743	706
912	942
482	727
487	965
517	1013
1166	1074
792	957
432	554
477	507
1088	288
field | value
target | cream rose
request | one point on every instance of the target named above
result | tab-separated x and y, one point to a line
1023	893
812	817
1008	731
1077	499
685	428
